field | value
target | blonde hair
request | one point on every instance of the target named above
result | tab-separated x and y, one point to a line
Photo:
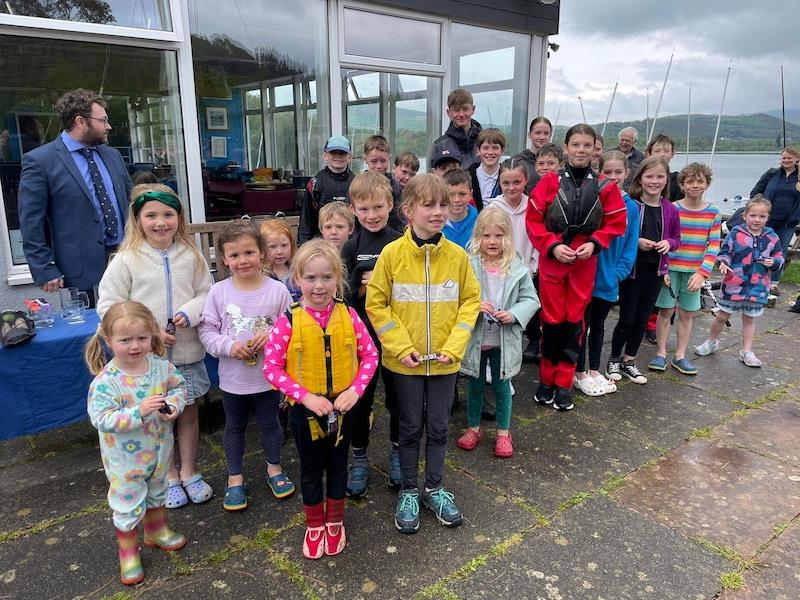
651	162
425	189
273	226
337	209
369	184
494	216
127	311
135	236
757	199
319	248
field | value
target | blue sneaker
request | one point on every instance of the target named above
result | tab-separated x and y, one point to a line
659	363
442	504
406	515
395	473
358	478
684	365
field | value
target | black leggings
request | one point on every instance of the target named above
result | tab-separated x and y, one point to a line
595	320
320	457
637	297
361	414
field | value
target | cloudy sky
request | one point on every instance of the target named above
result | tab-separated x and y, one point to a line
630	41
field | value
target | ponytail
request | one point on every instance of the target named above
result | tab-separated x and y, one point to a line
94	355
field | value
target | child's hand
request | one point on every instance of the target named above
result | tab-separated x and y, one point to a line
411	360
152	404
505	317
564	254
317	404
258	342
645	245
445	360
240	352
768	262
668	281
696	281
173	413
345	401
724	269
584	251
661	247
167	338
365	277
487	307
180	321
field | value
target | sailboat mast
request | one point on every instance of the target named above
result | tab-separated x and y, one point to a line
660	98
719	117
610	104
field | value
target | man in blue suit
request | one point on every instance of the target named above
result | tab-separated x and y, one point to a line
73	198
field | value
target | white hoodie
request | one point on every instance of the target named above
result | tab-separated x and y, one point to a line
522	243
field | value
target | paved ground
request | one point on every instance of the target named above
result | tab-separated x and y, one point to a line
686	488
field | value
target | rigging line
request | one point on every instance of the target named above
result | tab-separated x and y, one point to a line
660	98
719	117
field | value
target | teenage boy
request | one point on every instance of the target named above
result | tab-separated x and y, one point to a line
371	202
336	222
485	174
376	158
663	146
329	185
462	133
446	160
463	215
689	267
406	165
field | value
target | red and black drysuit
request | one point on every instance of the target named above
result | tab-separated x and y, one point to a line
571	206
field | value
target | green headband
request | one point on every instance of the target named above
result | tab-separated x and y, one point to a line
169	199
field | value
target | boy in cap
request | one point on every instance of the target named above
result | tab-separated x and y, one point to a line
329	185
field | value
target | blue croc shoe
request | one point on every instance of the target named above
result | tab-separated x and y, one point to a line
280	486
235	498
659	363
684	365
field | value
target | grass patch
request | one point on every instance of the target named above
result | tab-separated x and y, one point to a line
292	570
575	500
119	596
792	273
8	536
180	567
779	529
611	484
731	580
742	562
773	331
701	432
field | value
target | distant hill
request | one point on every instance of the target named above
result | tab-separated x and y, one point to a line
792	114
755	132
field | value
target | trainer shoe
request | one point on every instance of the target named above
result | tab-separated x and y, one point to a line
632	372
395	473
358	478
650	336
659	363
795	307
442	504
684	365
750	359
406	514
563	399
614	369
706	348
544	394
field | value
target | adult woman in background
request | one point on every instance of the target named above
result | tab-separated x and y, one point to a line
780	186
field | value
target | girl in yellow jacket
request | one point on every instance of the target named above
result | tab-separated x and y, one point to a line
423	299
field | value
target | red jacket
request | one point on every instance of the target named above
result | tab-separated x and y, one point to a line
613	224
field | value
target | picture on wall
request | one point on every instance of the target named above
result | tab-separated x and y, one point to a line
217	117
219	147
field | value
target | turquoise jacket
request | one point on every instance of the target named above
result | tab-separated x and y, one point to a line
520	299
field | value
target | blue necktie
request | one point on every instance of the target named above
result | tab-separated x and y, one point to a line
106	204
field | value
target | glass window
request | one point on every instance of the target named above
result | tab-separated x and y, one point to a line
374	35
265	68
404	108
143	14
493	65
147	128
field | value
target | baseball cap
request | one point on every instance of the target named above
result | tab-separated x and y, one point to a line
446	154
338	142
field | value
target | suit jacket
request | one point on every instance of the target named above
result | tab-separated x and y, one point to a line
62	233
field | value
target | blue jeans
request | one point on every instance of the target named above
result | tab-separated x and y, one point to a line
785	234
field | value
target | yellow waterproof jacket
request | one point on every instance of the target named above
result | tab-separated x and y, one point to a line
424	299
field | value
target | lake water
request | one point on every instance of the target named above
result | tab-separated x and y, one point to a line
734	174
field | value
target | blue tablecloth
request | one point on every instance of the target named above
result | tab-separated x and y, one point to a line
43	383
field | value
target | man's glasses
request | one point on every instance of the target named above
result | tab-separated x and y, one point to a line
103	120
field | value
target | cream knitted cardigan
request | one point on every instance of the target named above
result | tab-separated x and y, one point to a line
167	283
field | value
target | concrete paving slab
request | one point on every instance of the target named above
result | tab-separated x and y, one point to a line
705	488
554	458
660	413
598	550
380	562
773	429
778	577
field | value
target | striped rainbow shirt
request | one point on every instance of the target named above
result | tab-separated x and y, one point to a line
700	239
